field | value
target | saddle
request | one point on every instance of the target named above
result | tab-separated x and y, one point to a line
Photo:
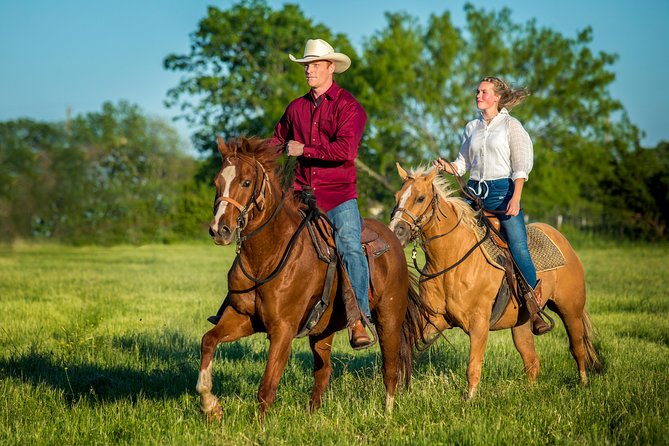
544	252
320	231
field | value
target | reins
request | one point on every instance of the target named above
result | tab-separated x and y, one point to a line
425	277
417	223
242	221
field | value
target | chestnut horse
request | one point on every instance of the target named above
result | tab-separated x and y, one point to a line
277	278
464	294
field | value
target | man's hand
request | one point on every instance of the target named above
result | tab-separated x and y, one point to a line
294	148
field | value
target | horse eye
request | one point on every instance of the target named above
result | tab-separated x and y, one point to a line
421	199
246	183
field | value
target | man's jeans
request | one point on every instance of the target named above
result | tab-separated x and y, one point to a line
346	221
496	195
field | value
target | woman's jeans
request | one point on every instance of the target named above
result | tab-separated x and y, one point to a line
346	221
495	196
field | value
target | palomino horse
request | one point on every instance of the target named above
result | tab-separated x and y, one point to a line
277	278
463	295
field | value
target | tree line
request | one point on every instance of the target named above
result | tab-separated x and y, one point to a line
114	176
417	83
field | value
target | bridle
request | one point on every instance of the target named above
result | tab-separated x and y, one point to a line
416	222
417	227
257	201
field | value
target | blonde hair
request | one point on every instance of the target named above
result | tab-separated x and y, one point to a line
508	97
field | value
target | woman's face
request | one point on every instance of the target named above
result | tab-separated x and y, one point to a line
486	98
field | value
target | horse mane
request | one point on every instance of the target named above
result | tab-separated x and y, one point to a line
267	154
444	190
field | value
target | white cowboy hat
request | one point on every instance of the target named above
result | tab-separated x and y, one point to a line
319	49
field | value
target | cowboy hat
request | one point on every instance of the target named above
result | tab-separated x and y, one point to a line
319	49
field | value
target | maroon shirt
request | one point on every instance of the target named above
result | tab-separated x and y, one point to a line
331	132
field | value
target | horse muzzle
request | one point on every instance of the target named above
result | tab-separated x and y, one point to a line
402	231
221	234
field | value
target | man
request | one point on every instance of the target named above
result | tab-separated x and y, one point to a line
323	130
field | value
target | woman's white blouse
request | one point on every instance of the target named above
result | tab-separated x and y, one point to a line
501	149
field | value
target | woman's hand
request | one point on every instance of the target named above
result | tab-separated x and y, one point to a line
513	208
440	164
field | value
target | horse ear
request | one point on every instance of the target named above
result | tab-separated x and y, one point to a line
246	145
222	148
432	174
403	173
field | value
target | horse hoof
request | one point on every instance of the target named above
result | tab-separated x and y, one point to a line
215	414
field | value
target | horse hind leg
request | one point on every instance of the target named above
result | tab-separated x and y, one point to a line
523	339
389	339
580	333
230	327
321	348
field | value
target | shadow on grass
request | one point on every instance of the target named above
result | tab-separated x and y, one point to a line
158	368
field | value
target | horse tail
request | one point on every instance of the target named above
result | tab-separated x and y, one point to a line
592	362
412	338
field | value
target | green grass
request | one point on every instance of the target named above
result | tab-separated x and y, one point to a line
101	346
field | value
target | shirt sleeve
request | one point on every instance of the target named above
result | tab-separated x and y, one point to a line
281	131
344	147
461	163
521	150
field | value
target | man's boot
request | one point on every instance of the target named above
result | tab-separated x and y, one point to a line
359	337
532	300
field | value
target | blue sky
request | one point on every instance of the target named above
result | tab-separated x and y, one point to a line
80	53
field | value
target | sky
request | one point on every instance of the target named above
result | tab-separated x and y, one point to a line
81	53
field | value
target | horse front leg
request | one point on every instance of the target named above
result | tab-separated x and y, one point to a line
478	338
279	352
230	327
321	348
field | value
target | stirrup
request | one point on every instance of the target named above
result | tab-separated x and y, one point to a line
366	324
540	315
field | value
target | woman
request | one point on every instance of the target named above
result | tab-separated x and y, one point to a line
497	152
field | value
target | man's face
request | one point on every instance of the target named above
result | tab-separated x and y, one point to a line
319	73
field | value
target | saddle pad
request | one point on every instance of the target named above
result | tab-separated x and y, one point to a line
544	252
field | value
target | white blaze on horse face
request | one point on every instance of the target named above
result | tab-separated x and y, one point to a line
403	201
227	175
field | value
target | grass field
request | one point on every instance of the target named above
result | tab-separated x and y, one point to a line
101	346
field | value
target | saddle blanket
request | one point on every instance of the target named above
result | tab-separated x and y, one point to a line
544	252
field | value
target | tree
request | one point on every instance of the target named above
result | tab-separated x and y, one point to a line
637	195
238	78
417	83
105	177
28	150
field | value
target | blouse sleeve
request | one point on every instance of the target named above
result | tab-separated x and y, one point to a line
462	162
521	149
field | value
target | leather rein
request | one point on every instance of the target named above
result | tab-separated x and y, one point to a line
258	200
417	225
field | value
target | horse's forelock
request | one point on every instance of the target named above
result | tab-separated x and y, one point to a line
258	148
441	184
445	191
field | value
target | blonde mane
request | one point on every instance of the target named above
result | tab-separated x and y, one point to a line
445	192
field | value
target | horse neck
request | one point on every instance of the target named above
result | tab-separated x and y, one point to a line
447	234
272	235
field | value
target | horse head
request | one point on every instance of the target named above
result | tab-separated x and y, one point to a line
414	203
241	189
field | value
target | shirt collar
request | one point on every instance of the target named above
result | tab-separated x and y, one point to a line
330	94
503	111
